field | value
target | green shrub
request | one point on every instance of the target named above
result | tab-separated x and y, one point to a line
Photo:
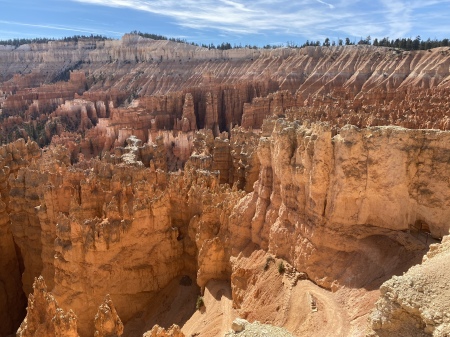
281	267
200	303
268	260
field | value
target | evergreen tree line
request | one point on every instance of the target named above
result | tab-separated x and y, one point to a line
160	37
223	46
18	42
75	38
227	45
409	44
404	43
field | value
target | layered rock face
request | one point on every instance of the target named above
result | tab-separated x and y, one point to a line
157	331
128	230
342	191
162	162
107	322
416	303
45	317
411	108
13	157
182	87
359	186
112	229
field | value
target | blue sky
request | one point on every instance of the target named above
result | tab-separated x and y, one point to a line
257	22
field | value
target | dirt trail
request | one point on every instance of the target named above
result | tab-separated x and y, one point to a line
216	317
325	318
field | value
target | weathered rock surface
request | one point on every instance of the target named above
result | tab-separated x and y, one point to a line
166	160
116	229
239	324
353	196
45	317
182	87
128	230
416	304
408	107
107	322
256	329
157	331
13	157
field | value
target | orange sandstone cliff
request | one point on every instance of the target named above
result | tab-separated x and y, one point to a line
267	181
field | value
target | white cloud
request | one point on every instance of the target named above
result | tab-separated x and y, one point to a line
57	27
418	4
398	15
325	3
234	16
307	18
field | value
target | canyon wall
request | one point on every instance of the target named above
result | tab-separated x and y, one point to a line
127	230
362	85
156	162
416	302
355	196
13	157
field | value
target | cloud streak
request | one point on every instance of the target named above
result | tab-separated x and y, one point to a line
312	19
398	15
253	17
325	3
56	27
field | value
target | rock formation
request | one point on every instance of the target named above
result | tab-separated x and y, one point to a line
45	317
13	157
157	331
107	322
361	85
155	161
416	303
336	194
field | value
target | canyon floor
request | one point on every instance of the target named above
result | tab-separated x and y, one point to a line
154	188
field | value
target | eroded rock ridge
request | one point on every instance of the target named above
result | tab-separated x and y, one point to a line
151	166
